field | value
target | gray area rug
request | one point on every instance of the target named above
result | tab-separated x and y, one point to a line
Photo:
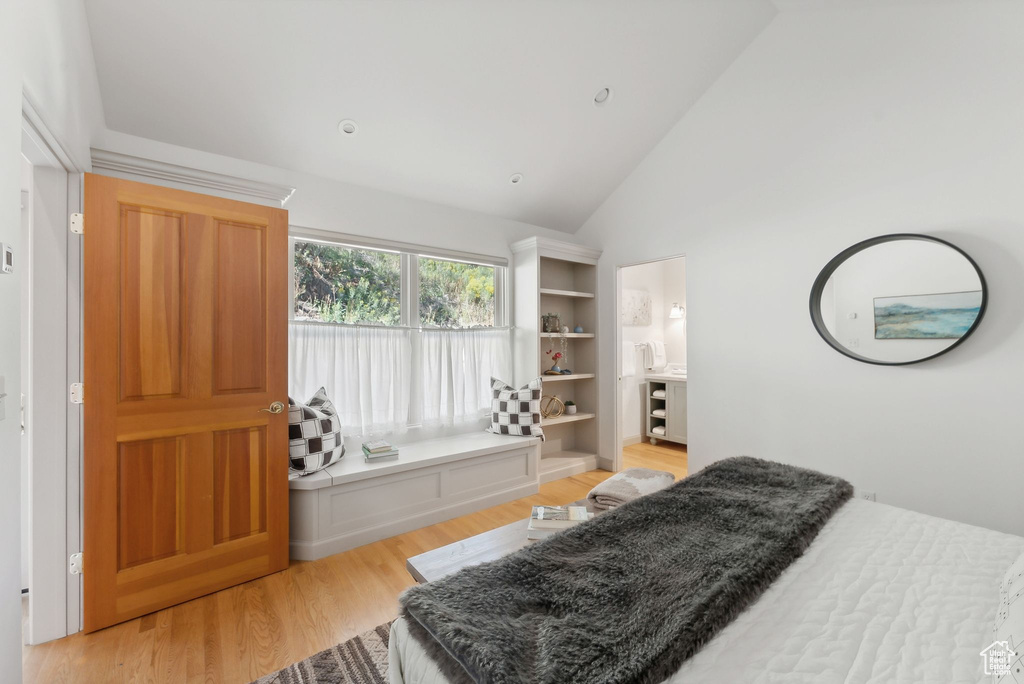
360	660
631	594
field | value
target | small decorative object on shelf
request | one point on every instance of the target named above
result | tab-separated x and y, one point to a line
551	322
570	408
579	329
554	360
551	406
565	330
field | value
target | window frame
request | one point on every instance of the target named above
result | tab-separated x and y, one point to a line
409	295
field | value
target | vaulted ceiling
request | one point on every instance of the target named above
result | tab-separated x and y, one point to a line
450	98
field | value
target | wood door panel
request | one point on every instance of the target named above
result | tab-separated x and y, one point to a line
239	483
240	335
185	341
149	502
150	299
192	581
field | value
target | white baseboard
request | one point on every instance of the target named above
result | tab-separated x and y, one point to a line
630	441
568	470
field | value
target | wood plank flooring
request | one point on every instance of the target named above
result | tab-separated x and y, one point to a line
245	632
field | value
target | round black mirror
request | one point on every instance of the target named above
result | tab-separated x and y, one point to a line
898	299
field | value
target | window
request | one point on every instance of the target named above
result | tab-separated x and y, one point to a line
398	338
335	284
455	294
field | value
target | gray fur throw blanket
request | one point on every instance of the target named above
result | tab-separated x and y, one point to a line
631	594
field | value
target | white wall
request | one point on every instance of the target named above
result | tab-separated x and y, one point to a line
834	126
331	205
10	433
673	279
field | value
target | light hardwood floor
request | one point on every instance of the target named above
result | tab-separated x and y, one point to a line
245	632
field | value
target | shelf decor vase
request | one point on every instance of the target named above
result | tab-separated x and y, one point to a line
552	323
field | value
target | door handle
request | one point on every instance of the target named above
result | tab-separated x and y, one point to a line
275	408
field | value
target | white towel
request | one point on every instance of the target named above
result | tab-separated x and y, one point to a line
658	429
660	360
660	413
649	355
658	394
628	359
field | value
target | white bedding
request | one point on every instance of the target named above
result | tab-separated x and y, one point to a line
883	595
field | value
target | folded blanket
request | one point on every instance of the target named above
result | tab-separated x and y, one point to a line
631	483
630	595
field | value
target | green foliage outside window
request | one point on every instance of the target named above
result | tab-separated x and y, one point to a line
341	285
455	294
363	286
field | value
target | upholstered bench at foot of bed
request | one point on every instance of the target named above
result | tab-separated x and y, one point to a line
353	502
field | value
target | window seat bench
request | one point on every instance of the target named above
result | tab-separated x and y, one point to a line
352	502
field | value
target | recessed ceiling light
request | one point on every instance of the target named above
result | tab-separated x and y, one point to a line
347	127
515	179
603	95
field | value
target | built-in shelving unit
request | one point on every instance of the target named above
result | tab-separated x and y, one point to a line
571	336
565	293
566	418
561	278
574	376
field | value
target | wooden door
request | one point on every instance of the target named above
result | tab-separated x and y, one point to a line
185	325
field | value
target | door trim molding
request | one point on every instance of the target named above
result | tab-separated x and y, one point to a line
34	128
57	602
130	167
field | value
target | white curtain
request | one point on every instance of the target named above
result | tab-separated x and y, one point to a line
456	370
365	371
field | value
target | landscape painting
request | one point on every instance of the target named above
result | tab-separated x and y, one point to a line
944	316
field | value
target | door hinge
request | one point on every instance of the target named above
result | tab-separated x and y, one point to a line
75	564
77	224
77	393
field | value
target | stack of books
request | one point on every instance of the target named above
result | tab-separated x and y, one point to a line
379	451
547	520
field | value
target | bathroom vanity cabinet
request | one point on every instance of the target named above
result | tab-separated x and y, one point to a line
666	412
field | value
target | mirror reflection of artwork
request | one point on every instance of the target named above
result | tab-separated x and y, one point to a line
944	316
941	299
637	308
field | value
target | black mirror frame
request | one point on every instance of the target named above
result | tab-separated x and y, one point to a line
839	259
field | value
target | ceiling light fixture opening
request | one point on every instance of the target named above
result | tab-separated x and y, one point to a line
515	179
348	127
603	96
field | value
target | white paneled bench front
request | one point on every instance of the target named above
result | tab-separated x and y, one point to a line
353	502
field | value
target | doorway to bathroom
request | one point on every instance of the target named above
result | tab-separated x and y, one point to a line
652	397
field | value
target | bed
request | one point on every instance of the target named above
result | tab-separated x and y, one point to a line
881	595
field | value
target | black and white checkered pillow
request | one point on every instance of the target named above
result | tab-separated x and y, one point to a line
314	434
516	411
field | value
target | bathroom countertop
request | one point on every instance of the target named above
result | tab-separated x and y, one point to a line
665	377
